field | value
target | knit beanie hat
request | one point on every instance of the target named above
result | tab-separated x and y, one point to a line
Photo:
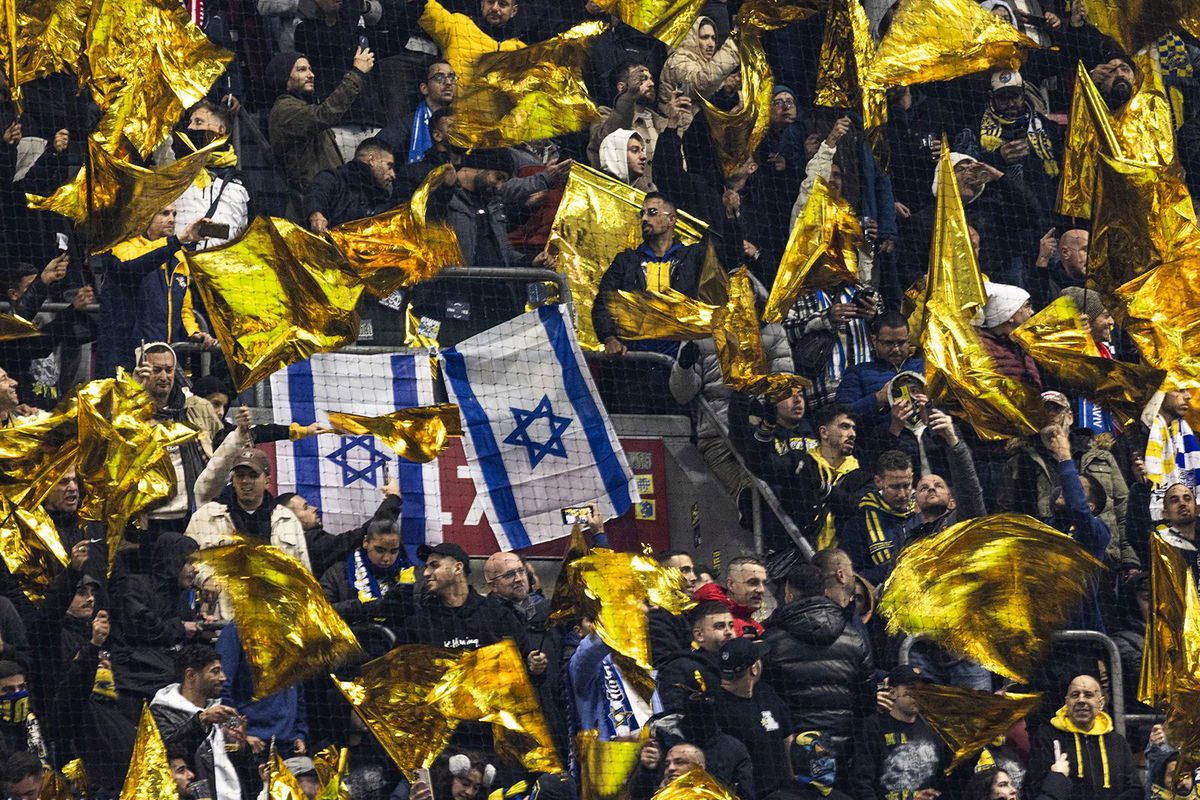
1003	300
1088	302
279	70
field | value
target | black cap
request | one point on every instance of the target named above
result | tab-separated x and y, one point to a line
904	674
739	654
498	158
446	549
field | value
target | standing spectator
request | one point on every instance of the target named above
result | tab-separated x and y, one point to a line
634	109
600	696
275	720
864	386
1008	308
189	715
1050	279
814	769
369	573
1088	415
897	754
828	333
412	138
62	504
623	156
222	197
696	69
1178	527
301	129
874	536
325	548
358	189
1172	453
618	44
939	503
168	309
1101	764
1015	138
818	660
744	593
750	711
712	626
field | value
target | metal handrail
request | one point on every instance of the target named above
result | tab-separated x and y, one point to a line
1114	665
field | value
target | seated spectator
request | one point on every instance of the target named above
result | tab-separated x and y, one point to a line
124	292
463	39
223	197
819	660
300	128
1101	764
368	573
897	754
874	536
697	68
711	626
358	189
1069	272
744	592
623	156
864	386
190	716
635	109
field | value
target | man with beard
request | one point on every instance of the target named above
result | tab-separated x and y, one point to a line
1115	79
325	548
635	109
221	197
463	39
1178	527
358	189
1017	139
300	128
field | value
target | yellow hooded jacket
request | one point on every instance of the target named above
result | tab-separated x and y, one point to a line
1101	763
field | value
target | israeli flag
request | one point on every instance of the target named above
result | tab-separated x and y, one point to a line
536	436
342	475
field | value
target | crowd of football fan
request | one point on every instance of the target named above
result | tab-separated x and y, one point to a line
782	682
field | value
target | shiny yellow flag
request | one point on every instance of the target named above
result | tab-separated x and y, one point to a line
772	14
937	40
695	784
16	327
583	250
124	461
331	772
821	251
29	544
276	295
1167	634
1140	132
604	766
669	314
146	63
1137	23
666	20
36	451
991	588
124	197
960	374
737	134
536	92
417	434
281	783
1160	313
288	629
389	696
1059	341
969	720
149	776
491	685
737	336
564	603
846	53
400	247
49	36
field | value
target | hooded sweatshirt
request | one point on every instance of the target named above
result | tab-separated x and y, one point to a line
1101	763
179	721
613	159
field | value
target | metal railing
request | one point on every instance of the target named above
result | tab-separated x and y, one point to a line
1116	676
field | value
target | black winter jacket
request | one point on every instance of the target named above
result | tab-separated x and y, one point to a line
346	193
821	667
420	618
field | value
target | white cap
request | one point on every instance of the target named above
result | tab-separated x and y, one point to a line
1003	300
1007	79
955	160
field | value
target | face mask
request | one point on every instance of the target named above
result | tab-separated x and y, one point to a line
14	707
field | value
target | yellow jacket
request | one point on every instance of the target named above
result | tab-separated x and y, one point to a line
460	39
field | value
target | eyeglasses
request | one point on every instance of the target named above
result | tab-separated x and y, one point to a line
508	577
443	77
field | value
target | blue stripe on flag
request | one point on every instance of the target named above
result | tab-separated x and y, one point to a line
306	453
487	451
616	483
410	474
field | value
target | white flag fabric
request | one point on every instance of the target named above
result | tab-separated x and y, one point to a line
537	437
342	475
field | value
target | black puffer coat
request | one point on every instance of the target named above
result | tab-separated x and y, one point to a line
821	667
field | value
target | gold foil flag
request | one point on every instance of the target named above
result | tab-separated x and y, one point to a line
604	766
400	247
737	134
1137	23
149	776
288	629
738	340
491	685
15	327
281	783
695	784
417	434
48	35
124	461
938	40
659	315
276	295
330	764
583	250
389	696
1058	340
536	92
1166	630
772	14
29	544
666	20
821	251
564	603
992	589
846	53
146	63
1160	313
969	720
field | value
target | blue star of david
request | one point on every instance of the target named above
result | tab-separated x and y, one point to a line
351	473
553	446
